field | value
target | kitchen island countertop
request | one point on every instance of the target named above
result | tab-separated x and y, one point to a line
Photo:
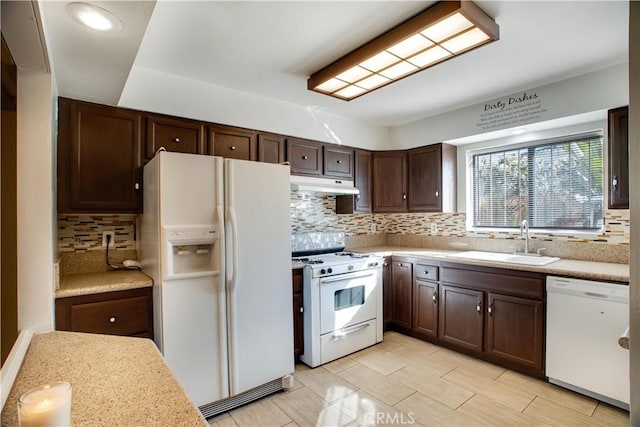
589	270
94	283
115	381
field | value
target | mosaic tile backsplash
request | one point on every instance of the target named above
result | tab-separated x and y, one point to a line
81	233
315	212
312	212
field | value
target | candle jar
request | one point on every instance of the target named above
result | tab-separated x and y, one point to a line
46	406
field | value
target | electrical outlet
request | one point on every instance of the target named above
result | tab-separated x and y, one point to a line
112	242
434	228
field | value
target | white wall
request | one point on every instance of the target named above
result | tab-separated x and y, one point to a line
36	226
150	90
598	90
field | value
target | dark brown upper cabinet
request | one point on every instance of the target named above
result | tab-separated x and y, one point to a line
390	181
232	142
174	134
305	156
432	179
99	158
338	162
360	203
618	124
271	148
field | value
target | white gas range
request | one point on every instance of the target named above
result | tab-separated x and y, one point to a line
342	303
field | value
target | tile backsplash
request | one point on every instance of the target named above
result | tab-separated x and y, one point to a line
310	212
83	232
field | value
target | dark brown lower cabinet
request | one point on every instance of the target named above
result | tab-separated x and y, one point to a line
490	313
515	329
298	315
128	313
461	317
401	277
425	308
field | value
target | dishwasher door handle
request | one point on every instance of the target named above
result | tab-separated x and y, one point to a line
595	295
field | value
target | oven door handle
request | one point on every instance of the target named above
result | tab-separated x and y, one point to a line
346	331
343	277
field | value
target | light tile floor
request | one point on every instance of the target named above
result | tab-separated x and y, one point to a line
407	382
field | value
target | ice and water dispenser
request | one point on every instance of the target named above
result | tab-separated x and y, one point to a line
191	251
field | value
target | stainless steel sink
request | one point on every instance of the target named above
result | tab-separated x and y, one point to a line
507	258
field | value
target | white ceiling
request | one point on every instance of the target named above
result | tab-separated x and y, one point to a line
270	48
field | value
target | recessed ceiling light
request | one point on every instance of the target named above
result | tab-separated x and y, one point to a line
94	17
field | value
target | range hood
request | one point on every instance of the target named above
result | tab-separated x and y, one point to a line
322	185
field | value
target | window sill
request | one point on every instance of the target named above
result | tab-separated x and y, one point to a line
592	234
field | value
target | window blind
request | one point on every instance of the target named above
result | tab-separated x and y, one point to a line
553	185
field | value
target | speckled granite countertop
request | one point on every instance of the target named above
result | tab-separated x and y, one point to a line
564	267
94	283
116	381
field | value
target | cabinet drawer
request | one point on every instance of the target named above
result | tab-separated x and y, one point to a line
118	317
426	272
128	312
179	136
338	162
507	282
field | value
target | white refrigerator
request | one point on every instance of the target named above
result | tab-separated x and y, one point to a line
215	239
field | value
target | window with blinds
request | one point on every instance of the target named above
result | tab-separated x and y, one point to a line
553	185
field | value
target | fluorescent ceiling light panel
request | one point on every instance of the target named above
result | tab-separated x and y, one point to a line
350	92
372	82
429	57
436	34
465	40
446	28
354	74
399	70
332	85
411	46
379	61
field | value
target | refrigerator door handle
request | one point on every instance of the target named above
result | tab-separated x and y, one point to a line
233	251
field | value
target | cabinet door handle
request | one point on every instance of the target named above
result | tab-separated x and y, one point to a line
112	320
404	196
137	186
437	194
232	148
339	161
478	308
176	140
301	309
435	298
385	264
400	265
490	310
614	183
305	157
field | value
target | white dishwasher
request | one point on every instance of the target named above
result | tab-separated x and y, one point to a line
584	321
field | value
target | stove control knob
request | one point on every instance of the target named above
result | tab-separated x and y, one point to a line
350	267
323	271
329	270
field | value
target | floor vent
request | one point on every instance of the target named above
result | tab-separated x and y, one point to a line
211	409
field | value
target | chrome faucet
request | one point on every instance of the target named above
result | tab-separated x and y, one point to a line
524	231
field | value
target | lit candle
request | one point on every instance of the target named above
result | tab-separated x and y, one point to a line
48	405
